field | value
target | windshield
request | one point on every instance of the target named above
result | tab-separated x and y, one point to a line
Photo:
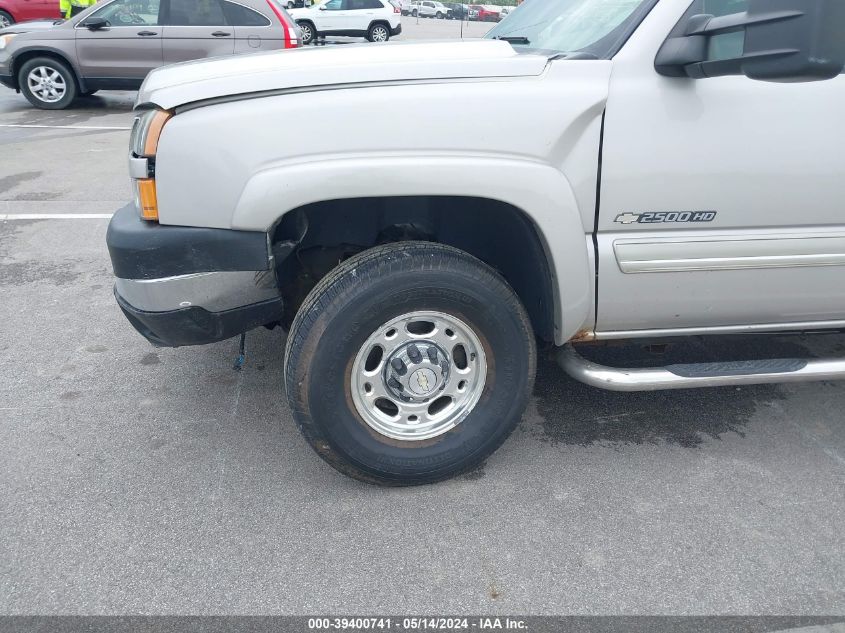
594	28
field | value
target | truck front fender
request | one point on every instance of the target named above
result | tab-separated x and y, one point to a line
537	189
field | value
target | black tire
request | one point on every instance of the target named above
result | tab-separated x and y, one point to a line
438	15
309	32
289	5
67	75
357	298
378	32
6	19
414	13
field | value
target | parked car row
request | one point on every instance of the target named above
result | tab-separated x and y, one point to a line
486	12
454	10
116	43
377	20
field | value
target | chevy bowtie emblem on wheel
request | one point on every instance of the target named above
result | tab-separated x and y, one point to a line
662	217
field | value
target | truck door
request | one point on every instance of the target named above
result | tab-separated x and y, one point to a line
721	199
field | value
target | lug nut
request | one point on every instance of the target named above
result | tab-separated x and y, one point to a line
414	353
399	366
395	384
432	354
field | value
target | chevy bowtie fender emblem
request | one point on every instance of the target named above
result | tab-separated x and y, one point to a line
662	217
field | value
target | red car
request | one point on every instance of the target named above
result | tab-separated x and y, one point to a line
483	13
12	11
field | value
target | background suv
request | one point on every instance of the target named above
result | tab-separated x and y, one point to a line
431	9
377	20
457	11
114	44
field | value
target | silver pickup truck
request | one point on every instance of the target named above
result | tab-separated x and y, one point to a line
668	168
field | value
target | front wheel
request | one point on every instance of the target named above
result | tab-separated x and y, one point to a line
409	363
378	33
47	83
439	15
5	20
308	32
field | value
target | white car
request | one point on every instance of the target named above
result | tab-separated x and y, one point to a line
377	20
430	9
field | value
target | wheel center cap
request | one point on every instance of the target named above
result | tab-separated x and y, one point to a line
416	371
423	381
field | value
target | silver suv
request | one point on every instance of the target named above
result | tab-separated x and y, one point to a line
114	44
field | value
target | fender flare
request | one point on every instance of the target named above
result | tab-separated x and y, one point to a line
52	51
539	190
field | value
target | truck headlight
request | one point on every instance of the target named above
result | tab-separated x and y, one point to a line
146	131
143	145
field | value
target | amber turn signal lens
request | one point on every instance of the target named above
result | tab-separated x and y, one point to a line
147	201
154	132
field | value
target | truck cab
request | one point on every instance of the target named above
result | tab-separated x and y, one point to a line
676	171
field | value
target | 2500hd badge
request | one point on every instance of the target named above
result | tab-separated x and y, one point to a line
659	217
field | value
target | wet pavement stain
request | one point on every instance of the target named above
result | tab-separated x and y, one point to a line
150	359
23	273
20	273
577	414
12	181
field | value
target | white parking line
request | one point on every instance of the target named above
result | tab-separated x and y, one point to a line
55	216
66	127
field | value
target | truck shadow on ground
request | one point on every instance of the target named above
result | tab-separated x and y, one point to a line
576	414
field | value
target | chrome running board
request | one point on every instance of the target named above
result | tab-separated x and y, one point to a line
750	372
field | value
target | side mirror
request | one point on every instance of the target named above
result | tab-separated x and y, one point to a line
782	40
95	23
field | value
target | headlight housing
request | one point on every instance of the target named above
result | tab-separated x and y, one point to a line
5	39
146	130
143	145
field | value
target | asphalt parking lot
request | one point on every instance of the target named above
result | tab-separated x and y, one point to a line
143	480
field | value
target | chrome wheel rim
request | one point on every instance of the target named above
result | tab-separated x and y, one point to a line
47	84
379	34
4	22
418	376
306	33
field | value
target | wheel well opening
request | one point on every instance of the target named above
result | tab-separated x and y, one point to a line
313	239
24	57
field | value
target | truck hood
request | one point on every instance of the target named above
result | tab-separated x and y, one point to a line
319	68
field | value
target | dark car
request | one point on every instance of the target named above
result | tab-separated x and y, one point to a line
457	11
